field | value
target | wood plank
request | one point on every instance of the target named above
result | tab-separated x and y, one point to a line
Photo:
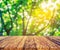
40	44
5	42
1	37
55	46
21	44
55	38
45	42
29	43
12	45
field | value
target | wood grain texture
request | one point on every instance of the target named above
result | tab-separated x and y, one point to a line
29	43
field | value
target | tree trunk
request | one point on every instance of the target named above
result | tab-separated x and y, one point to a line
1	33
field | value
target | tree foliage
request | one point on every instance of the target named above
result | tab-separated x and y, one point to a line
30	17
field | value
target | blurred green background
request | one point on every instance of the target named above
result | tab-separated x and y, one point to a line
30	17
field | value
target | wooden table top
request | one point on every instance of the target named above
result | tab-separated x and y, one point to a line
29	43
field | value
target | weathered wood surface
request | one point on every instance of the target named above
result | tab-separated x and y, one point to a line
29	43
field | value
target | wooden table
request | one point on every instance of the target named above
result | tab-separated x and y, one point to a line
29	43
